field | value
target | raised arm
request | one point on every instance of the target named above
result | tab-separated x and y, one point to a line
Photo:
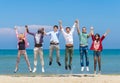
106	33
60	24
92	33
73	27
27	31
16	31
77	26
92	30
61	28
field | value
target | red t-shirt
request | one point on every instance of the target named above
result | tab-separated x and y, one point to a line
97	45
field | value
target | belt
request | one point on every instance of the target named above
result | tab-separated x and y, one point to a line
83	45
54	43
69	46
38	45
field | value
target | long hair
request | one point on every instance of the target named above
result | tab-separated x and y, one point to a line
97	34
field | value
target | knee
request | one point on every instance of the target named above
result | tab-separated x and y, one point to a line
95	62
26	58
81	57
66	58
57	48
35	58
18	60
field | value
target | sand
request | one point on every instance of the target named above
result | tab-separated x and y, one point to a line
61	79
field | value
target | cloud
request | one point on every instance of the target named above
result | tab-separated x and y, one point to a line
9	41
7	31
34	28
8	37
21	29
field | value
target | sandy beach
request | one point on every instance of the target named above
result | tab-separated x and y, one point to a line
61	79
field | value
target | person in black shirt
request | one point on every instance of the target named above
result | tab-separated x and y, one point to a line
22	44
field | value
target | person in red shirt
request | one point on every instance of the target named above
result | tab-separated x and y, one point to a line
97	48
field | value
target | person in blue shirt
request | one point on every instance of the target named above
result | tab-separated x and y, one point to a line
54	44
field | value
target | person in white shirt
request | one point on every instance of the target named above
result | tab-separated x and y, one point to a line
68	35
54	44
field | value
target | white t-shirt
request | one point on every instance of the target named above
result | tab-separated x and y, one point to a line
54	36
37	37
69	36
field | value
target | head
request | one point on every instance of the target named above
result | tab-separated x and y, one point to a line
21	36
97	36
84	30
26	26
55	28
40	31
68	29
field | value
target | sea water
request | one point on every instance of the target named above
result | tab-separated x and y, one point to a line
110	62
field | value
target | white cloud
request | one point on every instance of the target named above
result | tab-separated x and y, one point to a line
6	31
21	29
8	37
34	27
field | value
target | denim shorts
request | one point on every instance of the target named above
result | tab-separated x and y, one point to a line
97	53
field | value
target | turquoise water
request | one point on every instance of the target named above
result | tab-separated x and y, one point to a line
110	62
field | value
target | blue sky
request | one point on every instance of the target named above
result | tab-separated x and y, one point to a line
101	14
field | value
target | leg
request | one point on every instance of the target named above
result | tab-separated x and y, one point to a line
58	55
81	57
86	57
50	55
99	61
35	57
41	59
17	62
95	61
41	56
27	60
66	58
71	55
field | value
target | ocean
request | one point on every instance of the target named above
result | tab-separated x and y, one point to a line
110	62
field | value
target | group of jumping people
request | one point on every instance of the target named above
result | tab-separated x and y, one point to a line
96	46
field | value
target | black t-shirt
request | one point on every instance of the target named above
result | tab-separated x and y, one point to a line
21	45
